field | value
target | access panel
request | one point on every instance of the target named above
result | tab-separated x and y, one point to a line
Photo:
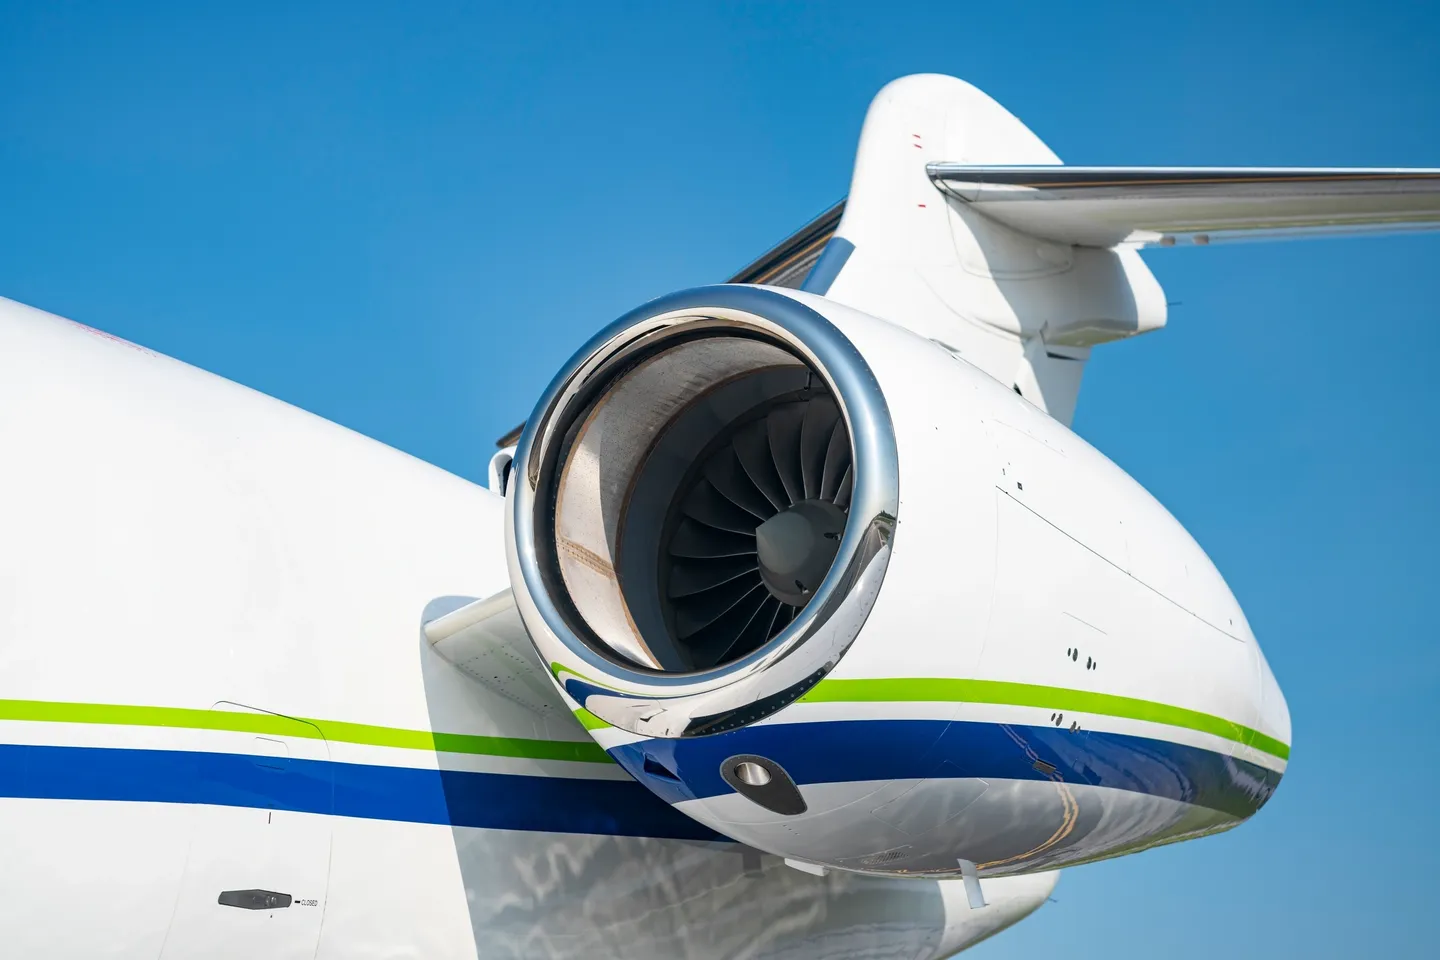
259	859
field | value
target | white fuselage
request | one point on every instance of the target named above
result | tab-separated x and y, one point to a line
213	679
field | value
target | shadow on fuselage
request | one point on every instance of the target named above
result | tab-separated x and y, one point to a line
562	860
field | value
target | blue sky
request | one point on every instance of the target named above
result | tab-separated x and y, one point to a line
405	217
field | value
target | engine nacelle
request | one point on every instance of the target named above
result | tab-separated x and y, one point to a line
703	511
837	594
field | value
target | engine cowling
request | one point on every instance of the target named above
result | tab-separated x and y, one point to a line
704	511
710	549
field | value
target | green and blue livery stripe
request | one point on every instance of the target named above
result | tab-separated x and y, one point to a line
881	690
456	798
822	751
1011	694
334	731
1000	692
883	750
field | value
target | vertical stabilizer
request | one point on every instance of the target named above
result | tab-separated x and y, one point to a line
1025	310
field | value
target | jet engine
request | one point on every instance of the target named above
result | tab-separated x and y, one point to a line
712	549
705	506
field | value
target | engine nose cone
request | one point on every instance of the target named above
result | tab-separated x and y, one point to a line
796	547
784	542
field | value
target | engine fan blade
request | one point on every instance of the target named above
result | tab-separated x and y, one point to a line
716	645
707	505
752	448
783	426
696	576
842	495
692	539
741	629
695	613
815	430
729	478
837	460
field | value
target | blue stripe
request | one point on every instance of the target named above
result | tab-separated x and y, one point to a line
824	752
837	751
458	798
828	266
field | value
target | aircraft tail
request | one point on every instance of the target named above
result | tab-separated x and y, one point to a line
1025	310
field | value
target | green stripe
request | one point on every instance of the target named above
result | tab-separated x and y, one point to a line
332	730
589	721
1031	695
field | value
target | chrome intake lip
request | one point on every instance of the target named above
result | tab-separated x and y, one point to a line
669	704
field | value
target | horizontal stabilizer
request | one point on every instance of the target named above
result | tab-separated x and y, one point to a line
1145	206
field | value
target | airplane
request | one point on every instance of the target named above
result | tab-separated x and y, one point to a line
796	622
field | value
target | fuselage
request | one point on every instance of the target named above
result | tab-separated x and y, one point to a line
214	690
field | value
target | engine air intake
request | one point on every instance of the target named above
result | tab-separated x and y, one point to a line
709	486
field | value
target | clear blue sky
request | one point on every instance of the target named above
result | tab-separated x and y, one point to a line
405	217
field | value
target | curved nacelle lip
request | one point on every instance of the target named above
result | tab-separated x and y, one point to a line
657	703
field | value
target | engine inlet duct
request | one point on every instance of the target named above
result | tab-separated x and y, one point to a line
706	499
